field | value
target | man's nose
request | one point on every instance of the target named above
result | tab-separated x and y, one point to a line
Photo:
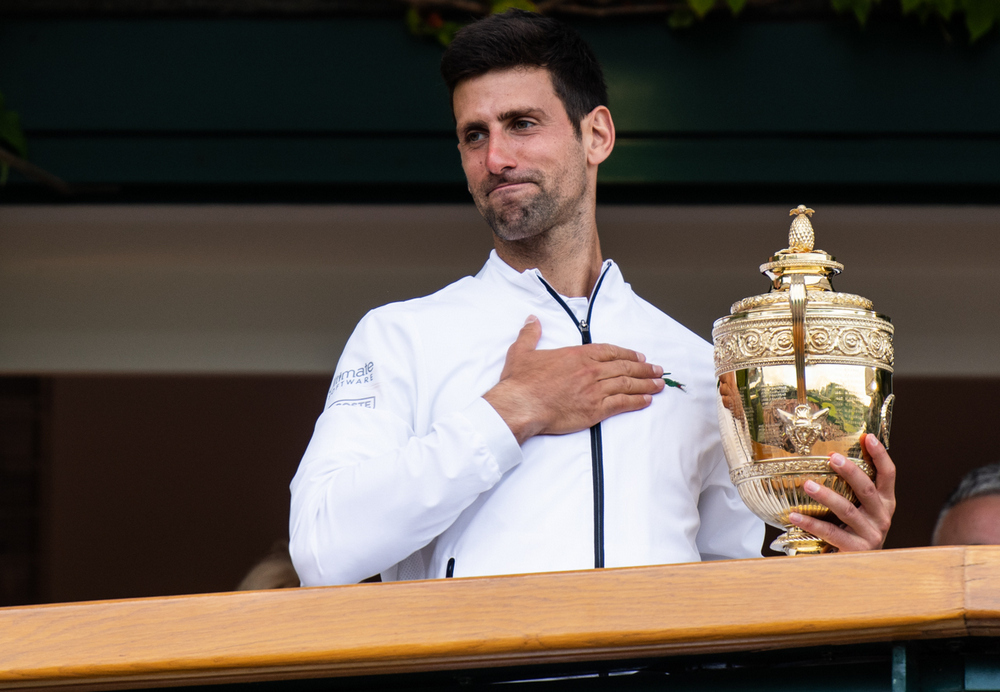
499	156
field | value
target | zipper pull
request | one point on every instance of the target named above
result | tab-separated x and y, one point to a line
584	327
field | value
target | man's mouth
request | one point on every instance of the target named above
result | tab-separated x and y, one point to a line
511	185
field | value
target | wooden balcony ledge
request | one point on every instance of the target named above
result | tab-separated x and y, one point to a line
925	593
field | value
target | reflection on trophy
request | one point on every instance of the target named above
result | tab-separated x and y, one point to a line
803	372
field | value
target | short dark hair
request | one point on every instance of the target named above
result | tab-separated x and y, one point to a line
978	482
984	480
518	38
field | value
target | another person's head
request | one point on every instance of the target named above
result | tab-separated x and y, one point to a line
529	101
971	515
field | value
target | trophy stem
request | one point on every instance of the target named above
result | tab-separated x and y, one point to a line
795	541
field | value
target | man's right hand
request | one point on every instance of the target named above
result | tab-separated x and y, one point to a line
569	389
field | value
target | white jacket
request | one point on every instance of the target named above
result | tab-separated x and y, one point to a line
410	468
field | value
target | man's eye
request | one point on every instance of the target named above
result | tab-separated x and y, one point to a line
523	124
474	137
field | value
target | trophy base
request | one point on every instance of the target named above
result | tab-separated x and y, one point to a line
795	541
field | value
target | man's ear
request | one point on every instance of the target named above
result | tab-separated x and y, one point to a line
598	132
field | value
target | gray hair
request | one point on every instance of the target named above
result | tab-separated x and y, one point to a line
984	480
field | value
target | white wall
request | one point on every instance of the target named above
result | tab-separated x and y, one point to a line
277	289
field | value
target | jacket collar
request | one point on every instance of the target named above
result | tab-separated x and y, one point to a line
530	281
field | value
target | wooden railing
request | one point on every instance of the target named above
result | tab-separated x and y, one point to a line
486	622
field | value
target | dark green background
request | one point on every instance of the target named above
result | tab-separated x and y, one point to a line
206	107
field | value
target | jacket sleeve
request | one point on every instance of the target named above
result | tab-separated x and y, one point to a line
369	491
728	530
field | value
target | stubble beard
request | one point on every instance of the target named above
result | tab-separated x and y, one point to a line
519	220
513	221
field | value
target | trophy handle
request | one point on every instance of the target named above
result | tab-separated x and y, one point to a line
797	300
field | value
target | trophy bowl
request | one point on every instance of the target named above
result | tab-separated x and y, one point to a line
803	372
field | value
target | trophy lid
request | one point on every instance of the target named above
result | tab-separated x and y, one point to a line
800	258
802	320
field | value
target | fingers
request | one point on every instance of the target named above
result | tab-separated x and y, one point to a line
861	530
563	390
838	537
607	352
527	338
628	368
630	385
632	391
526	342
864	526
878	502
626	361
622	361
885	479
728	393
622	403
626	383
859	481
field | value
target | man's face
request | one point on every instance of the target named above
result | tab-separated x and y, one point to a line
525	164
973	522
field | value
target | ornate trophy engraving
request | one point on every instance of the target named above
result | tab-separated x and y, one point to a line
803	372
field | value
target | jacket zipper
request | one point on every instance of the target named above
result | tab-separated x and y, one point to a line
596	446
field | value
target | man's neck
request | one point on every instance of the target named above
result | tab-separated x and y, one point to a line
570	264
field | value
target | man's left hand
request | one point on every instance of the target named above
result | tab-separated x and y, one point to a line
864	527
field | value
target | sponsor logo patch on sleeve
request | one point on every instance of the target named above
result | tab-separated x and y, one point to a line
363	374
368	402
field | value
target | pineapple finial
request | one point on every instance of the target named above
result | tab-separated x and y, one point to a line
801	237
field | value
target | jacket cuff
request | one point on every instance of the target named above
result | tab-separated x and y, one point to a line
499	438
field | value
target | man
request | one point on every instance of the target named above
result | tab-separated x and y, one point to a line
479	430
971	515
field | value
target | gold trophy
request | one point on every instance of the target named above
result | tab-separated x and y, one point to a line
803	372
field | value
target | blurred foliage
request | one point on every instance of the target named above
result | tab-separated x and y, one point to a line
980	15
431	26
11	137
427	17
434	25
